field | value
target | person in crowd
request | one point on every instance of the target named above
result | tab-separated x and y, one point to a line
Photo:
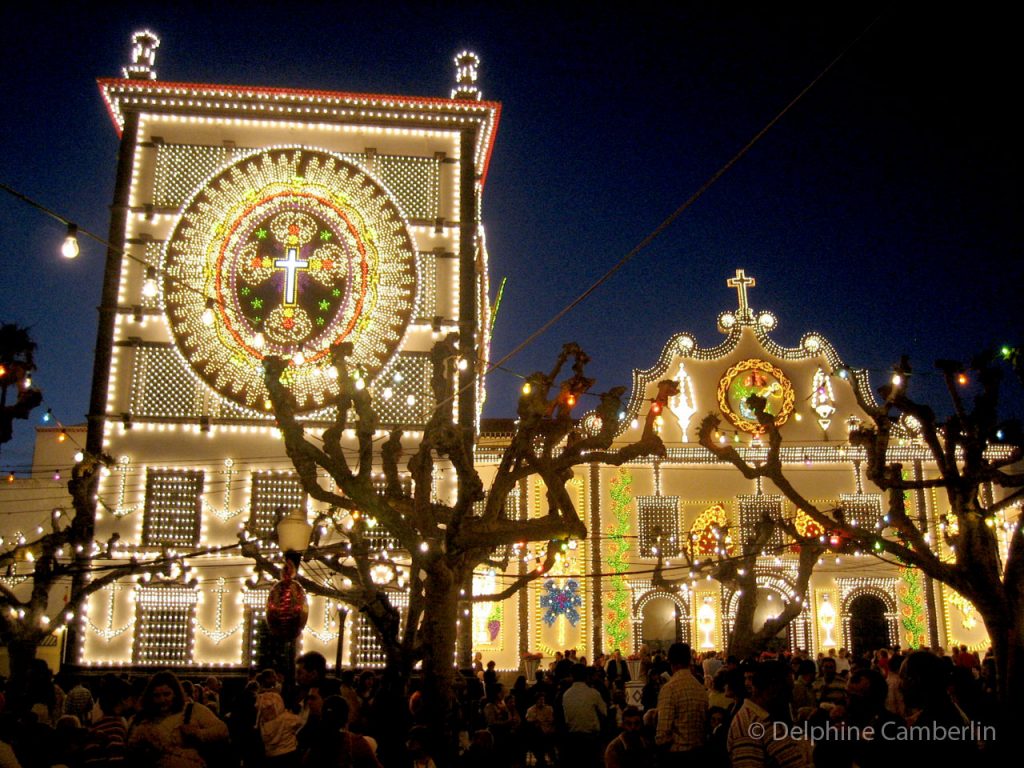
630	749
540	731
418	746
842	743
277	725
682	711
79	702
334	744
717	696
480	753
583	710
502	721
762	746
212	688
711	665
8	727
108	735
925	681
162	736
829	688
805	700
616	668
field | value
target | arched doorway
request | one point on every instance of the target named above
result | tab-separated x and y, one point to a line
869	628
662	623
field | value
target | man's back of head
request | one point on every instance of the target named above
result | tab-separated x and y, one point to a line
679	655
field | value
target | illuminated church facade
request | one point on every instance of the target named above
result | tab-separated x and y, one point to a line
251	221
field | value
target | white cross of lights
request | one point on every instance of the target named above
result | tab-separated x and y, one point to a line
741	282
291	265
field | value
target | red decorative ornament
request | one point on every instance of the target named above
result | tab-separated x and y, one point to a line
287	609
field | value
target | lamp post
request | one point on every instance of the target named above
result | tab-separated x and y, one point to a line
287	610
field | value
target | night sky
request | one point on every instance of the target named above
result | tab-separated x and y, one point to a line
883	210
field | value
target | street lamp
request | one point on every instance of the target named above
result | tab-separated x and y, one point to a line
287	609
294	531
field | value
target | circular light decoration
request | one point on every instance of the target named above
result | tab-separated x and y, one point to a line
755	377
290	252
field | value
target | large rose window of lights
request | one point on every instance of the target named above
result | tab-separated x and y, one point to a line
288	252
755	377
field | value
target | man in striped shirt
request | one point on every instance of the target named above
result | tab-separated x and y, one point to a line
756	739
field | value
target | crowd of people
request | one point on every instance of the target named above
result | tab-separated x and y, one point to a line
714	710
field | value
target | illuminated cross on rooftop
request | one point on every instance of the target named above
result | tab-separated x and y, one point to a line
741	282
291	266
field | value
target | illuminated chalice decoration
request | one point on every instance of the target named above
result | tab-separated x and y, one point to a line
827	620
706	622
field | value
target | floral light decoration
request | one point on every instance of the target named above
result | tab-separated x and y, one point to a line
911	595
617	624
709	534
561	601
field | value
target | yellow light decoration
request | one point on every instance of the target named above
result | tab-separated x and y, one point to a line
827	620
755	377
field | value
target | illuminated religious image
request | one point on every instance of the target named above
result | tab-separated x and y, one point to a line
755	378
684	404
288	252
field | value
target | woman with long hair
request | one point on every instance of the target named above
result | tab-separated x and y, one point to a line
167	733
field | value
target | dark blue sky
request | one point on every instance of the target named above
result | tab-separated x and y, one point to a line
883	210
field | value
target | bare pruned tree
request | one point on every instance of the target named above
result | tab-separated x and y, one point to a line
439	542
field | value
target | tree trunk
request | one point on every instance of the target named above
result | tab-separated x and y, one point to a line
438	633
21	654
1005	625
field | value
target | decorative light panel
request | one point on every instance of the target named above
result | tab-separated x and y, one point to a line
289	252
180	168
659	525
152	254
862	509
173	507
161	385
402	394
426	295
368	651
414	181
378	536
272	491
487	617
752	510
164	625
755	377
255	604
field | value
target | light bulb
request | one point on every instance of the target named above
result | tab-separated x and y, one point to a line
258	342
149	289
208	316
69	249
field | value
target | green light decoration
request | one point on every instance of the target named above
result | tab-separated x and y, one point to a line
617	628
911	599
497	305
